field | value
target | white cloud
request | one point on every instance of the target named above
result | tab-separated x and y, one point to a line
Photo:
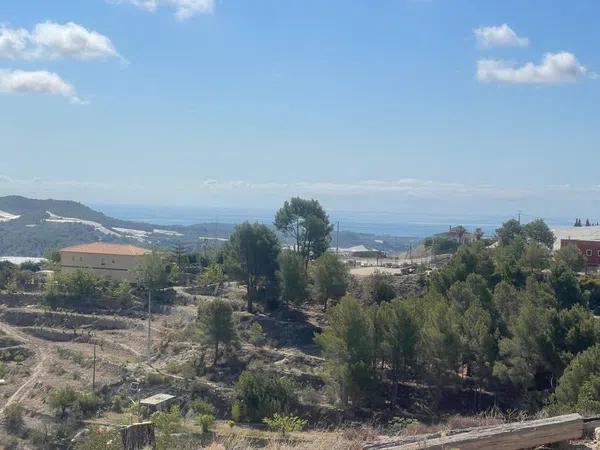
184	9
36	82
560	67
50	40
499	36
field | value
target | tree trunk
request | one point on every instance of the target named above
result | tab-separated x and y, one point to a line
216	353
249	293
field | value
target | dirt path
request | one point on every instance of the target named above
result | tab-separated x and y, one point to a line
41	350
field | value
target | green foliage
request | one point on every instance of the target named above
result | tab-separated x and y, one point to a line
117	404
215	319
255	334
307	224
213	274
347	347
166	423
67	401
443	245
292	277
284	424
13	418
400	335
236	411
378	288
100	438
535	258
329	278
538	231
201	406
152	272
250	256
571	256
579	387
62	399
262	394
509	230
565	285
79	285
206	421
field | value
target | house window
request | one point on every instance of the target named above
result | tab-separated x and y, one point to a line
113	260
102	262
588	252
598	252
73	258
81	259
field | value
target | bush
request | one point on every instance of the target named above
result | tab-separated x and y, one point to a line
13	418
200	406
88	404
100	439
205	421
167	423
117	404
284	424
263	394
255	334
236	411
172	367
62	400
3	370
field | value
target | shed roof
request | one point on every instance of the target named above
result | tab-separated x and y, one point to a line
157	399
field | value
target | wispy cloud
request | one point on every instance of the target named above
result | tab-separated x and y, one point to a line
499	36
555	68
51	40
184	9
36	82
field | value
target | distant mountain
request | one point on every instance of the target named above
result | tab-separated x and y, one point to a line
30	227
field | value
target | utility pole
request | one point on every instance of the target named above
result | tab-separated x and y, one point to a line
94	370
337	239
519	215
149	349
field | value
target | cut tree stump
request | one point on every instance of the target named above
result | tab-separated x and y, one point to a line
511	436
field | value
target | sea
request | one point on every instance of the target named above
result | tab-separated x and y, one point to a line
401	224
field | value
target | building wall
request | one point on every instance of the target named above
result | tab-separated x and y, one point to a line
113	267
589	249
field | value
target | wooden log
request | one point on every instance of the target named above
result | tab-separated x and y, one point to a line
512	436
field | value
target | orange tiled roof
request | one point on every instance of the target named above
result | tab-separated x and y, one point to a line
105	248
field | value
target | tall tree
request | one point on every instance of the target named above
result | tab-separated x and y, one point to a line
292	279
250	256
152	272
509	231
571	256
307	224
329	278
215	319
400	336
348	350
538	231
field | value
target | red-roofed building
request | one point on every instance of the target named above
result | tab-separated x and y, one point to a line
113	261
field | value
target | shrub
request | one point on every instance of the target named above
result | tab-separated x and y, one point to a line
167	423
117	404
231	423
262	394
153	378
201	406
88	404
284	424
236	411
205	421
3	370
13	418
100	439
172	367
62	400
255	334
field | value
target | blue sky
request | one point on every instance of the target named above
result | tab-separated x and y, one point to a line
396	105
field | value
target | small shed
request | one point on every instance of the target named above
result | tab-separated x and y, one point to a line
158	402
